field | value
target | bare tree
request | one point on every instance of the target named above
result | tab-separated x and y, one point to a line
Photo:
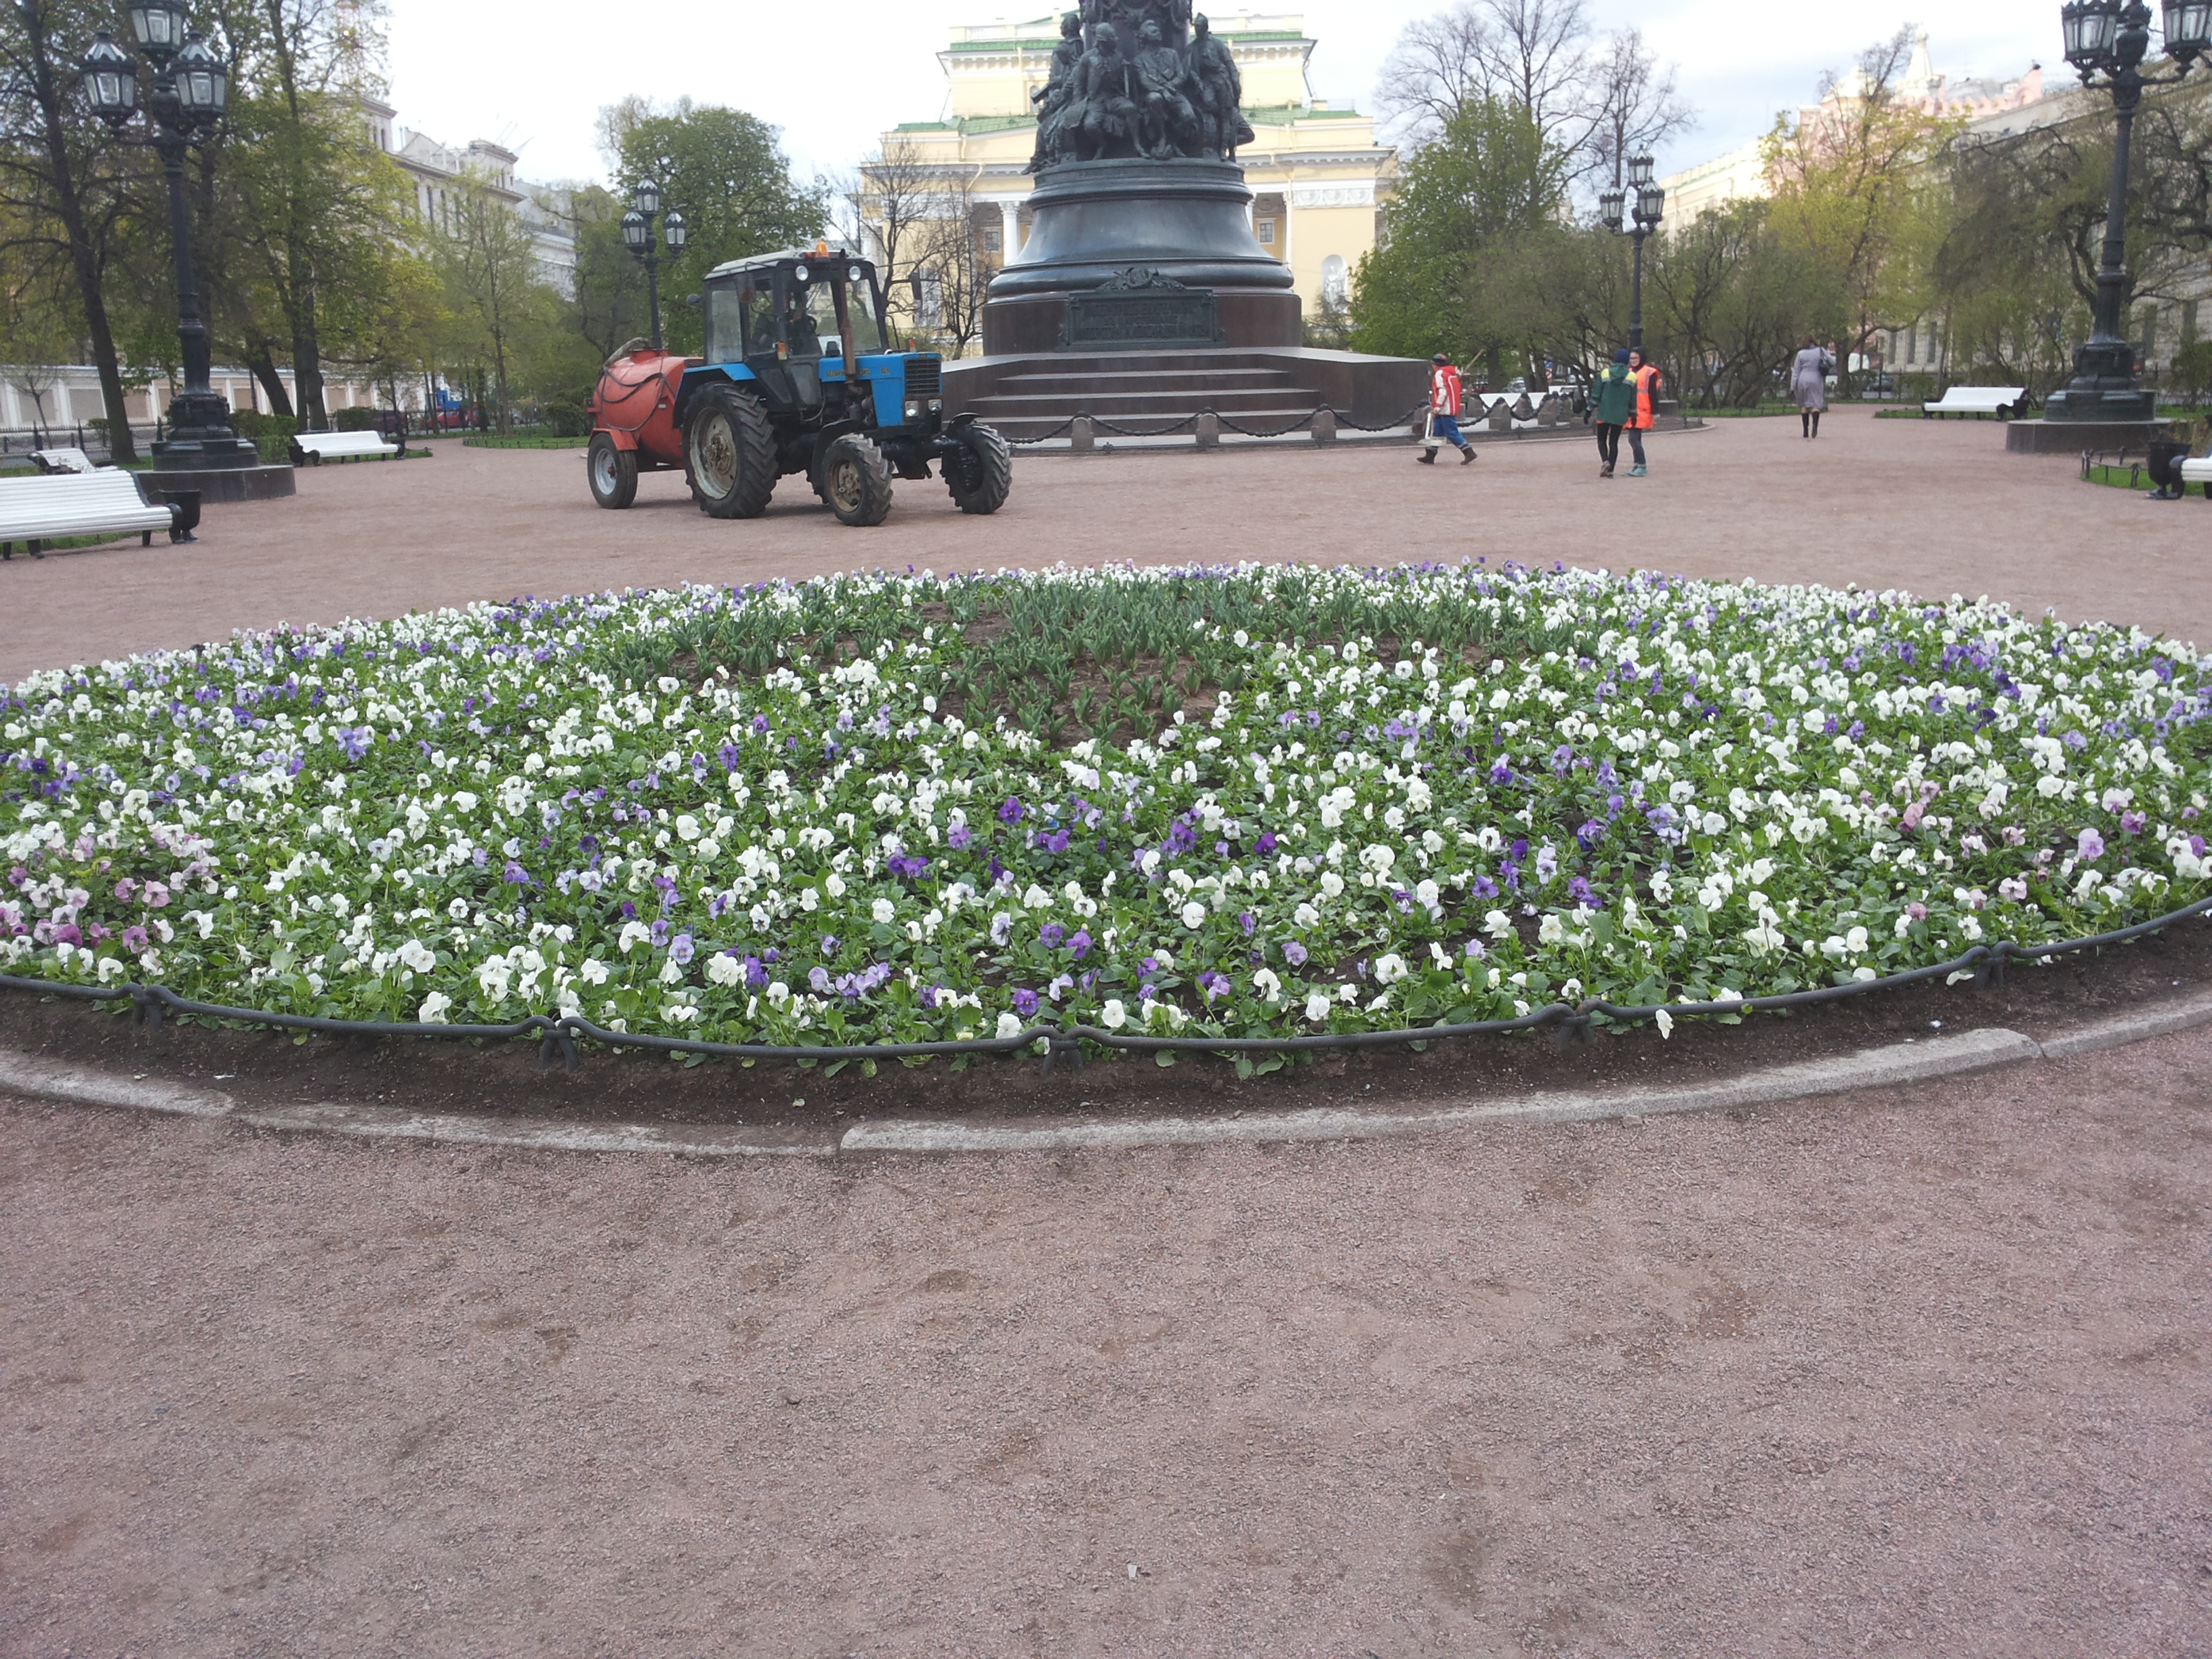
1596	103
1633	103
905	201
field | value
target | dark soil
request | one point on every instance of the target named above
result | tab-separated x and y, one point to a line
505	1079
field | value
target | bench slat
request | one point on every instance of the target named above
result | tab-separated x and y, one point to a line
101	502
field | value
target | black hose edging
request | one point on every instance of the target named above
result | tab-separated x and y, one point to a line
562	1030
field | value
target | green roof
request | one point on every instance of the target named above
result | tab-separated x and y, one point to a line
1260	34
1040	44
925	126
1281	115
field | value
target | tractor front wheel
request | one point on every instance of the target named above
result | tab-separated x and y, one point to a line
856	481
729	455
613	472
980	471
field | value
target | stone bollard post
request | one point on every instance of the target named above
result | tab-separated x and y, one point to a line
1324	426
1501	416
1083	436
1549	411
1209	430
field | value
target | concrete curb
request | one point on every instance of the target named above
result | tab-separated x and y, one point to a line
1870	1068
1891	1066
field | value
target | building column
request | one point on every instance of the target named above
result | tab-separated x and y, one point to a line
1010	235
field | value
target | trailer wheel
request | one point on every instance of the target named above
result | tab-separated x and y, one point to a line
729	455
982	471
613	472
856	481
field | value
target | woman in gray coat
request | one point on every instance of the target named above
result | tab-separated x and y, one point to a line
1808	384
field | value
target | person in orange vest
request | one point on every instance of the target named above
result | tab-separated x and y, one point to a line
1444	412
1647	402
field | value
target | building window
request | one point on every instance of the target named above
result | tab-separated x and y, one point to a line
2188	322
993	241
1266	233
2147	317
1333	286
1912	344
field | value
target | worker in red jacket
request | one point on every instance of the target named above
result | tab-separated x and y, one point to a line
1444	412
1647	405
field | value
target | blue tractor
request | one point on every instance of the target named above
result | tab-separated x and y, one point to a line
798	375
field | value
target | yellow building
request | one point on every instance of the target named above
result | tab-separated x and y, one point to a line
1317	175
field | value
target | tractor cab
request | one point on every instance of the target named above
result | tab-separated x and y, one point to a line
789	317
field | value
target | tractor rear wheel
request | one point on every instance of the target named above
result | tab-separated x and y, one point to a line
613	472
981	472
856	481
729	455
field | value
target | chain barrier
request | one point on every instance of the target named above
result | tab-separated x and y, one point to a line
1407	419
559	1033
1046	437
1190	423
1105	425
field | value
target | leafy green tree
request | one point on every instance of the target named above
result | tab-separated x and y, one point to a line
1855	189
1471	210
725	170
66	184
497	299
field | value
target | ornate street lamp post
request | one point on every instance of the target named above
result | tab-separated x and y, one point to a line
190	88
637	237
1650	207
2105	41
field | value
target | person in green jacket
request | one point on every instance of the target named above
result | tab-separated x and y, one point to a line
1612	401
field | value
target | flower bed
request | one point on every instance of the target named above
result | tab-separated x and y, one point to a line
1252	802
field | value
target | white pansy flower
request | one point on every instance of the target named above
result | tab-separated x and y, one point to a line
884	911
1193	914
416	955
433	1011
1114	1016
1318	1006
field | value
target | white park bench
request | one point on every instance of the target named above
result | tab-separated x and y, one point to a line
61	460
105	501
2197	470
1998	400
342	447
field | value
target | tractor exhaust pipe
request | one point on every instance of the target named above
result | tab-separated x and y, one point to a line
845	328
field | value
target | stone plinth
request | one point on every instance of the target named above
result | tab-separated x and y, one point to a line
2072	437
225	483
1095	224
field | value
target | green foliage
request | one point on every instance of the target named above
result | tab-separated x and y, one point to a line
724	169
1727	300
2191	377
252	424
1472	214
568	420
357	419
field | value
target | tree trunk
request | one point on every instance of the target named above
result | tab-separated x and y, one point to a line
307	365
53	99
262	365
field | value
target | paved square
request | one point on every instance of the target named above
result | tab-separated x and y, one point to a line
1935	506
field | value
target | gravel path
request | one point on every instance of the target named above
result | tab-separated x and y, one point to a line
1890	1374
1935	506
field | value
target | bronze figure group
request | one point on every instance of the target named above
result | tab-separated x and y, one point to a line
1139	80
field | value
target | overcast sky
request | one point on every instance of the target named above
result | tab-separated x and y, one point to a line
533	75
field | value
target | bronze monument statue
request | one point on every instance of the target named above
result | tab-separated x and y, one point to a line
1152	83
1220	86
1053	98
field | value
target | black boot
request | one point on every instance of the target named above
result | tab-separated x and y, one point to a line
1466	453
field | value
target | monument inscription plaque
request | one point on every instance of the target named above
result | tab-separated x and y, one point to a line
1137	309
